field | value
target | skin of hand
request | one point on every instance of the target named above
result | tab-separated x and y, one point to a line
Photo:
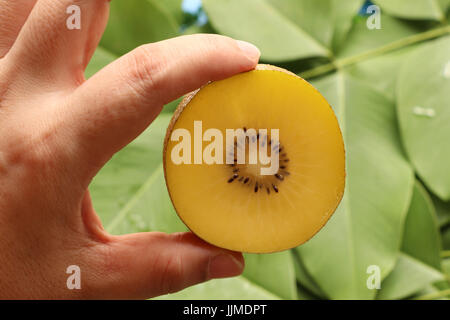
57	130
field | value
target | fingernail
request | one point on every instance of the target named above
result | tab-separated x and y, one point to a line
225	265
250	50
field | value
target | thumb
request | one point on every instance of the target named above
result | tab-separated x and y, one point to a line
146	265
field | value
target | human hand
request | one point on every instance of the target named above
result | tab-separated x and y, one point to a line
57	130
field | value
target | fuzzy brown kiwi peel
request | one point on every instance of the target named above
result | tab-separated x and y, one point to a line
233	205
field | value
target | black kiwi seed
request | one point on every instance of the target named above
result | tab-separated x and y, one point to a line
279	177
233	178
275	188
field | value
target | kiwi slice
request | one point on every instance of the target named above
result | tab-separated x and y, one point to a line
233	205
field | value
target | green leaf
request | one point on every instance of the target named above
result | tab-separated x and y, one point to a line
361	39
237	288
173	7
312	16
343	14
305	295
366	228
419	264
206	28
277	274
423	106
408	277
100	59
442	211
431	292
304	279
172	106
259	22
327	21
446	267
381	72
446	239
136	22
421	9
421	219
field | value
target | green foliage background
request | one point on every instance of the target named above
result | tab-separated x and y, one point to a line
390	90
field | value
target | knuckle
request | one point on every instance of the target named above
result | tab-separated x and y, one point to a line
146	69
173	275
29	151
34	150
217	47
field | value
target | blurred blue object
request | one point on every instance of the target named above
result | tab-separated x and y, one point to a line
191	6
363	11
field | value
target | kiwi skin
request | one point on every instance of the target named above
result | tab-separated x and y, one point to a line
183	104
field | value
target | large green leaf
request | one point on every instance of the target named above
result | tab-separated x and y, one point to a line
423	105
195	28
237	288
343	15
417	9
173	7
381	71
408	277
419	264
446	238
259	22
136	22
277	275
304	279
421	239
366	228
442	211
361	39
325	20
431	292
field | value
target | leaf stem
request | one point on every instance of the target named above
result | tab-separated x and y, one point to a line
434	295
344	62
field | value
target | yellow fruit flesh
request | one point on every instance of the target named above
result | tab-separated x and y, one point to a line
233	215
